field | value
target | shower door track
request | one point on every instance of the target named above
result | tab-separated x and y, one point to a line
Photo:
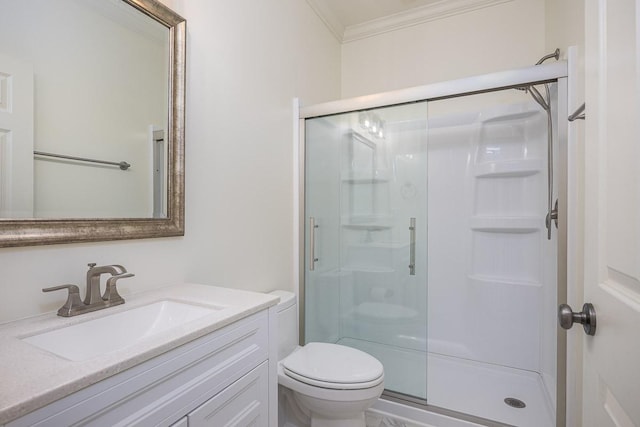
537	74
527	76
404	399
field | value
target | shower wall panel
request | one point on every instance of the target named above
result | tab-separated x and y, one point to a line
487	189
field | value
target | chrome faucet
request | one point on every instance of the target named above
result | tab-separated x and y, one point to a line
93	299
93	294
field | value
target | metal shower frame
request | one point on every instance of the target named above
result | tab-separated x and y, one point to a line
511	79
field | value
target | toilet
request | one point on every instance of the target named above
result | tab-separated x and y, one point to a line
331	384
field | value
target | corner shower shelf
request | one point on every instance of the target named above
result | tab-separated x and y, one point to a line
502	117
367	222
508	168
364	180
377	177
480	279
506	224
367	226
366	269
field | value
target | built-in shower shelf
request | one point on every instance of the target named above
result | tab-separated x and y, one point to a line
364	180
367	269
506	224
366	226
509	168
509	117
368	177
367	222
480	279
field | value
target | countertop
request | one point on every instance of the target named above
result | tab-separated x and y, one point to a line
31	378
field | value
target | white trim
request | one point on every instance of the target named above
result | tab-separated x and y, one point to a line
411	17
574	243
329	18
295	278
6	172
502	79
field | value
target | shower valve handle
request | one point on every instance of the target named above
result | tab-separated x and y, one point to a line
587	317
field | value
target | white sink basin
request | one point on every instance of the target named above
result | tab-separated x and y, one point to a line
85	340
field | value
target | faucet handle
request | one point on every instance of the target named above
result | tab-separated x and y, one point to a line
73	299
111	295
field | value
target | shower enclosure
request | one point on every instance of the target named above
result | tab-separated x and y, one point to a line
430	240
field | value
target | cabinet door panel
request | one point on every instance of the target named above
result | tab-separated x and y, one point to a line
242	404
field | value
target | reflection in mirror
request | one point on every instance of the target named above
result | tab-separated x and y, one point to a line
91	120
99	70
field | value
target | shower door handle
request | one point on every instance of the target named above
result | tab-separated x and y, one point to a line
412	246
312	243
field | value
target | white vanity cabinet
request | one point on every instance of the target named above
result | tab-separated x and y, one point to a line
225	378
241	404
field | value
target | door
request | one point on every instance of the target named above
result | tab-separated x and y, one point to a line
16	139
611	382
365	282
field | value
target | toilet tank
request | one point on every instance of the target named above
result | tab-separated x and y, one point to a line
287	323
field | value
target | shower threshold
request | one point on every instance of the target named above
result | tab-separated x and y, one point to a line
461	386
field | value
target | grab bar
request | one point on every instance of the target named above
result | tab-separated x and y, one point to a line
412	246
578	114
122	165
312	243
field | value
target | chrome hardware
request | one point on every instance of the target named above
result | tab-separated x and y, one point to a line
552	216
111	292
312	243
587	317
122	165
412	246
93	294
555	54
73	300
93	299
579	114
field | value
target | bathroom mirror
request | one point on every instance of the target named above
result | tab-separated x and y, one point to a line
91	121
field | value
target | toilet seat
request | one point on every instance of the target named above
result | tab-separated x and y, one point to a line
333	366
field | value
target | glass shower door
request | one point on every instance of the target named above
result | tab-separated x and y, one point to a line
366	238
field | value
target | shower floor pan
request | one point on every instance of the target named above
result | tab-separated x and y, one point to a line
466	386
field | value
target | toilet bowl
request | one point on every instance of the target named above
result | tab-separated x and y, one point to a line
331	384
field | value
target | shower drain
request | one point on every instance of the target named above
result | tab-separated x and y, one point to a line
514	403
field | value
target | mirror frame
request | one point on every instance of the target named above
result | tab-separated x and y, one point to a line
36	231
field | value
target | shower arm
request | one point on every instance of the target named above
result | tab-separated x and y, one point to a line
555	54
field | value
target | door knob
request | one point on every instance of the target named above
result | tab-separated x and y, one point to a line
587	317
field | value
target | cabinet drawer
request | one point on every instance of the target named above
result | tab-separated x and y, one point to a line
162	390
242	404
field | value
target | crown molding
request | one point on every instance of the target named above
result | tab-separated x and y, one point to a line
415	16
329	19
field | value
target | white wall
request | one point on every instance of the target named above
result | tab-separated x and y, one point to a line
246	61
495	38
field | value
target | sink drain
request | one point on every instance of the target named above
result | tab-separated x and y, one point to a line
514	403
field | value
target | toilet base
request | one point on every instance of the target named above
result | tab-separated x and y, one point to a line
331	413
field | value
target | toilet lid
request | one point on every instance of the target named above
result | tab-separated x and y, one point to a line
333	366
